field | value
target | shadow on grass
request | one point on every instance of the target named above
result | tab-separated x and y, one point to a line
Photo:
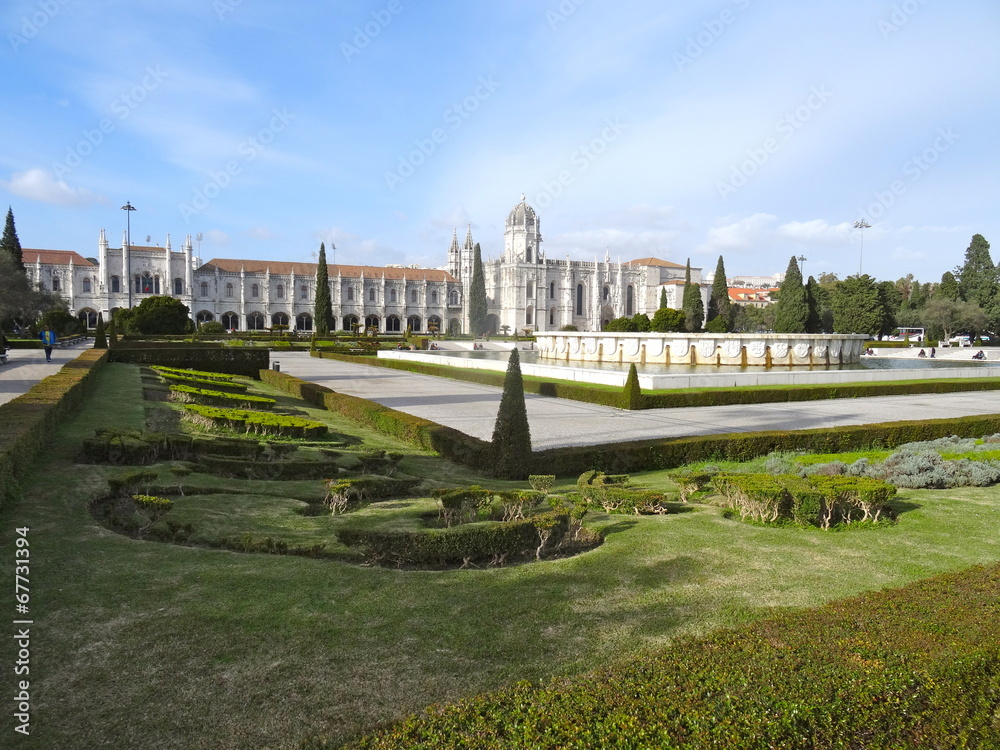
618	527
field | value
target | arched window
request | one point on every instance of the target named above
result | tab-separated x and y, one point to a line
279	319
350	298
350	322
303	292
529	317
433	324
392	296
552	290
55	284
453	297
393	324
178	287
255	321
527	254
205	317
156	285
413	323
303	322
606	293
280	291
372	323
231	321
434	298
629	301
552	317
413	296
86	286
254	290
371	296
579	299
204	289
229	289
116	285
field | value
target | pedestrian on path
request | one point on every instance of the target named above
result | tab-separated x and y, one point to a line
48	337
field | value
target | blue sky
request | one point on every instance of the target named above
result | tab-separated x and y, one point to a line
756	130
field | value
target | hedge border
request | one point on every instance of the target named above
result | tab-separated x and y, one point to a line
26	422
244	361
735	396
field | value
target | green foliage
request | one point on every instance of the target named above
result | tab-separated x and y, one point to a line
792	308
478	310
541	482
667	320
323	309
641	323
493	544
691	302
10	245
112	334
100	338
857	307
60	321
621	325
818	302
190	395
619	498
977	276
948	288
511	434
663	298
717	325
632	393
211	327
156	315
247	362
254	422
719	304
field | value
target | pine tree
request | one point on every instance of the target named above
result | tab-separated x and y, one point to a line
977	277
10	245
663	298
100	339
948	288
477	295
323	310
694	308
632	394
719	305
511	435
791	314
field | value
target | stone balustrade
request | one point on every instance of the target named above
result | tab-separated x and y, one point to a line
744	349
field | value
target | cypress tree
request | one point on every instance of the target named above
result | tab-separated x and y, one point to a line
10	245
100	339
663	298
791	314
511	435
112	334
694	308
477	295
632	395
323	310
814	323
719	305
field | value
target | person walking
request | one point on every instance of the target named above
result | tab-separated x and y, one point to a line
48	337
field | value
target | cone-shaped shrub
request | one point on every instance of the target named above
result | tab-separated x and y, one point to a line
632	395
112	334
100	338
511	436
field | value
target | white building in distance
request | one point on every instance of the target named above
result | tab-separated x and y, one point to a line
526	290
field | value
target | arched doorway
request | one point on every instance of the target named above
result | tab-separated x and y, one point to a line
413	323
492	324
303	322
230	321
255	321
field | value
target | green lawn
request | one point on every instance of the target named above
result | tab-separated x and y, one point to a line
152	645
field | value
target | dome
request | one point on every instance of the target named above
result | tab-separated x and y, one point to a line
522	215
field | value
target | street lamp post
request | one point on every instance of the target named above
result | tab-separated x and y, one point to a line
862	225
128	208
802	264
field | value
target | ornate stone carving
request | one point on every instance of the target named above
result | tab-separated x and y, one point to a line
779	349
706	348
757	348
731	348
801	350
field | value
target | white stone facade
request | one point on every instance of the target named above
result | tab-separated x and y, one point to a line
526	289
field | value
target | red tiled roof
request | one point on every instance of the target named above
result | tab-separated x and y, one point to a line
53	257
284	268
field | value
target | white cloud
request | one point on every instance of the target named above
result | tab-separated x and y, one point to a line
617	242
748	233
216	237
817	232
38	185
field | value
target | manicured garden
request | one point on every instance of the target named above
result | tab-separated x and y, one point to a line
238	617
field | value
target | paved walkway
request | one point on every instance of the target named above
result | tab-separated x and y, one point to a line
25	367
472	409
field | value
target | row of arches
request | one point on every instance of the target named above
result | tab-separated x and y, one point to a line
257	321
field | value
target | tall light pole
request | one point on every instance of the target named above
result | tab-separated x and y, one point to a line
128	208
802	264
862	225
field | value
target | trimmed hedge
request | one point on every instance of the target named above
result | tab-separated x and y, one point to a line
191	395
28	421
912	667
208	357
196	374
490	543
254	421
217	385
